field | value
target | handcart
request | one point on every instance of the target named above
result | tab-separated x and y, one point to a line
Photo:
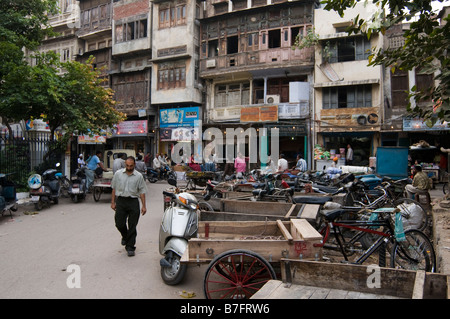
100	186
244	255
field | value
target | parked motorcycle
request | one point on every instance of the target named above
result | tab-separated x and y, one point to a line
8	201
167	173
45	189
77	188
152	175
179	224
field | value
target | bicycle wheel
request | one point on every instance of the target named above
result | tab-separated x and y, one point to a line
414	215
414	253
205	206
236	274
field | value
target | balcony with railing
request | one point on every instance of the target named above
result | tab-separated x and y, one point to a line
262	59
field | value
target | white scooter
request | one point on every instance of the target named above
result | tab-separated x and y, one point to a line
178	225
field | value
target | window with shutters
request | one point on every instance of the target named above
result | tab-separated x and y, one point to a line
424	83
232	94
172	15
349	49
399	88
347	96
171	76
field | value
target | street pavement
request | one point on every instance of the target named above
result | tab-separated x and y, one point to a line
41	255
42	252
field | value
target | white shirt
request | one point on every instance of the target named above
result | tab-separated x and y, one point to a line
282	164
156	163
349	154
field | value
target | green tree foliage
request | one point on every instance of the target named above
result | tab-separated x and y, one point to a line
69	95
426	48
73	99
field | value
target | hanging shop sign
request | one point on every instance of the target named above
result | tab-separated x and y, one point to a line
179	117
288	130
94	139
417	124
180	124
131	128
259	114
179	134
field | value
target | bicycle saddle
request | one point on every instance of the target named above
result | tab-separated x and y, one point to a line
311	199
331	215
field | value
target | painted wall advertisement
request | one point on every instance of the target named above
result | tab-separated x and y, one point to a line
180	124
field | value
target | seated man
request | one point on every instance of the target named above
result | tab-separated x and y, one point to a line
420	185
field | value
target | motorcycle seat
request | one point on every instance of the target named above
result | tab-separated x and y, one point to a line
326	189
259	192
331	215
311	199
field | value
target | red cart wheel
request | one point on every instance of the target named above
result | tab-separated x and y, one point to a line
236	274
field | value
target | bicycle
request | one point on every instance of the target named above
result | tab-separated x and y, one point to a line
413	213
446	180
412	251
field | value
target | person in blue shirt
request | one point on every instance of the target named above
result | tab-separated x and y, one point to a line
93	163
301	164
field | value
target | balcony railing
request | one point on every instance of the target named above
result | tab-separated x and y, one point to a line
245	60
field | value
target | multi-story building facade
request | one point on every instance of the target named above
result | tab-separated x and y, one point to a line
400	129
179	67
254	77
176	86
348	94
130	73
65	24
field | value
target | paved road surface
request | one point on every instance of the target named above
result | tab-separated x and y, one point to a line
36	250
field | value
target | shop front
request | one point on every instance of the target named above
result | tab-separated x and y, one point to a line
335	144
425	146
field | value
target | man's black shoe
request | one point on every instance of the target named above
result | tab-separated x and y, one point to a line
130	253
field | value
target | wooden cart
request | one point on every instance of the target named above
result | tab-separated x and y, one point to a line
242	255
100	186
318	280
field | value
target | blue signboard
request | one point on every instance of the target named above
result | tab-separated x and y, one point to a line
179	117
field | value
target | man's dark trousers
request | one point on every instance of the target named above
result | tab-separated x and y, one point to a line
127	208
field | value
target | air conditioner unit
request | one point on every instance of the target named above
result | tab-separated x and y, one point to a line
272	99
211	63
